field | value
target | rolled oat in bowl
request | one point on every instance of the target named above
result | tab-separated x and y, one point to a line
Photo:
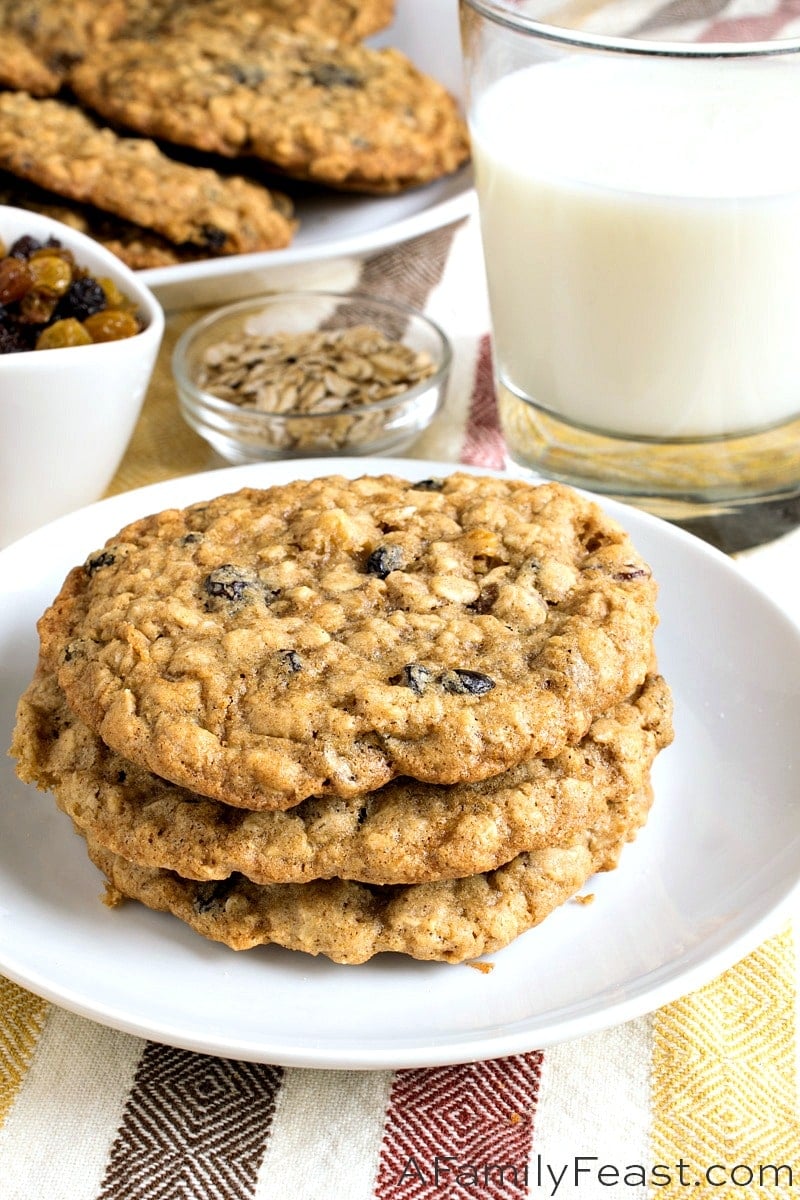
311	373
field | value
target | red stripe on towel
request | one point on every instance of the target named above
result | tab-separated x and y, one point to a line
755	28
452	1131
483	441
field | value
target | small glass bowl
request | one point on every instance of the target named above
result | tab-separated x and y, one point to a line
246	434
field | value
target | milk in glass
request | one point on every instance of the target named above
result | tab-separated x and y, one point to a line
641	227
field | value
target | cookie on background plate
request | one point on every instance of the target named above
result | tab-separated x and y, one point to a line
130	177
55	35
405	833
44	39
345	20
350	117
450	921
137	247
21	68
324	637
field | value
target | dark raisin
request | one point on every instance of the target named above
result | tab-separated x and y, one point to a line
332	75
291	660
486	601
248	75
190	539
210	897
631	572
235	584
104	559
414	676
24	247
471	683
212	237
428	485
82	298
362	815
46	302
384	560
227	583
13	340
121	776
73	651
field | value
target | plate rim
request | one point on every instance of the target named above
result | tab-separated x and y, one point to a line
522	1035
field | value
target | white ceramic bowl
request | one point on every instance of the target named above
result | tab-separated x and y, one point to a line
67	415
243	434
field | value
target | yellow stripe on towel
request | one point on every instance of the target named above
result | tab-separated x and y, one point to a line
22	1016
724	1082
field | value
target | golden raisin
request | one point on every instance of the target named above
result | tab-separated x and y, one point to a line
45	292
36	308
111	325
15	280
51	274
68	332
57	249
114	297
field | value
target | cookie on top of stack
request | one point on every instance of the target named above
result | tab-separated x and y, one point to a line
352	716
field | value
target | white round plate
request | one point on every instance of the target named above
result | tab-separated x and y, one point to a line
703	883
340	225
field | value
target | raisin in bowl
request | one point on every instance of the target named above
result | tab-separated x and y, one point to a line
79	336
311	373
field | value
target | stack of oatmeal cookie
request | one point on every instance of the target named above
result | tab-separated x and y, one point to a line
249	90
353	716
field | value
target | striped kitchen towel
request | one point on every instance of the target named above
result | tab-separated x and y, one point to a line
700	1095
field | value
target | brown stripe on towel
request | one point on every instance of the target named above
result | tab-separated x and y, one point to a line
192	1126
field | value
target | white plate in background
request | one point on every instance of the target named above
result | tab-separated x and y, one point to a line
706	879
339	225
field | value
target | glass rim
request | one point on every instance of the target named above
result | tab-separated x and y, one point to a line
499	12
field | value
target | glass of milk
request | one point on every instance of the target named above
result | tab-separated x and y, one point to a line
640	215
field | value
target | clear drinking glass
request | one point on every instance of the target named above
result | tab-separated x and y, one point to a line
640	214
